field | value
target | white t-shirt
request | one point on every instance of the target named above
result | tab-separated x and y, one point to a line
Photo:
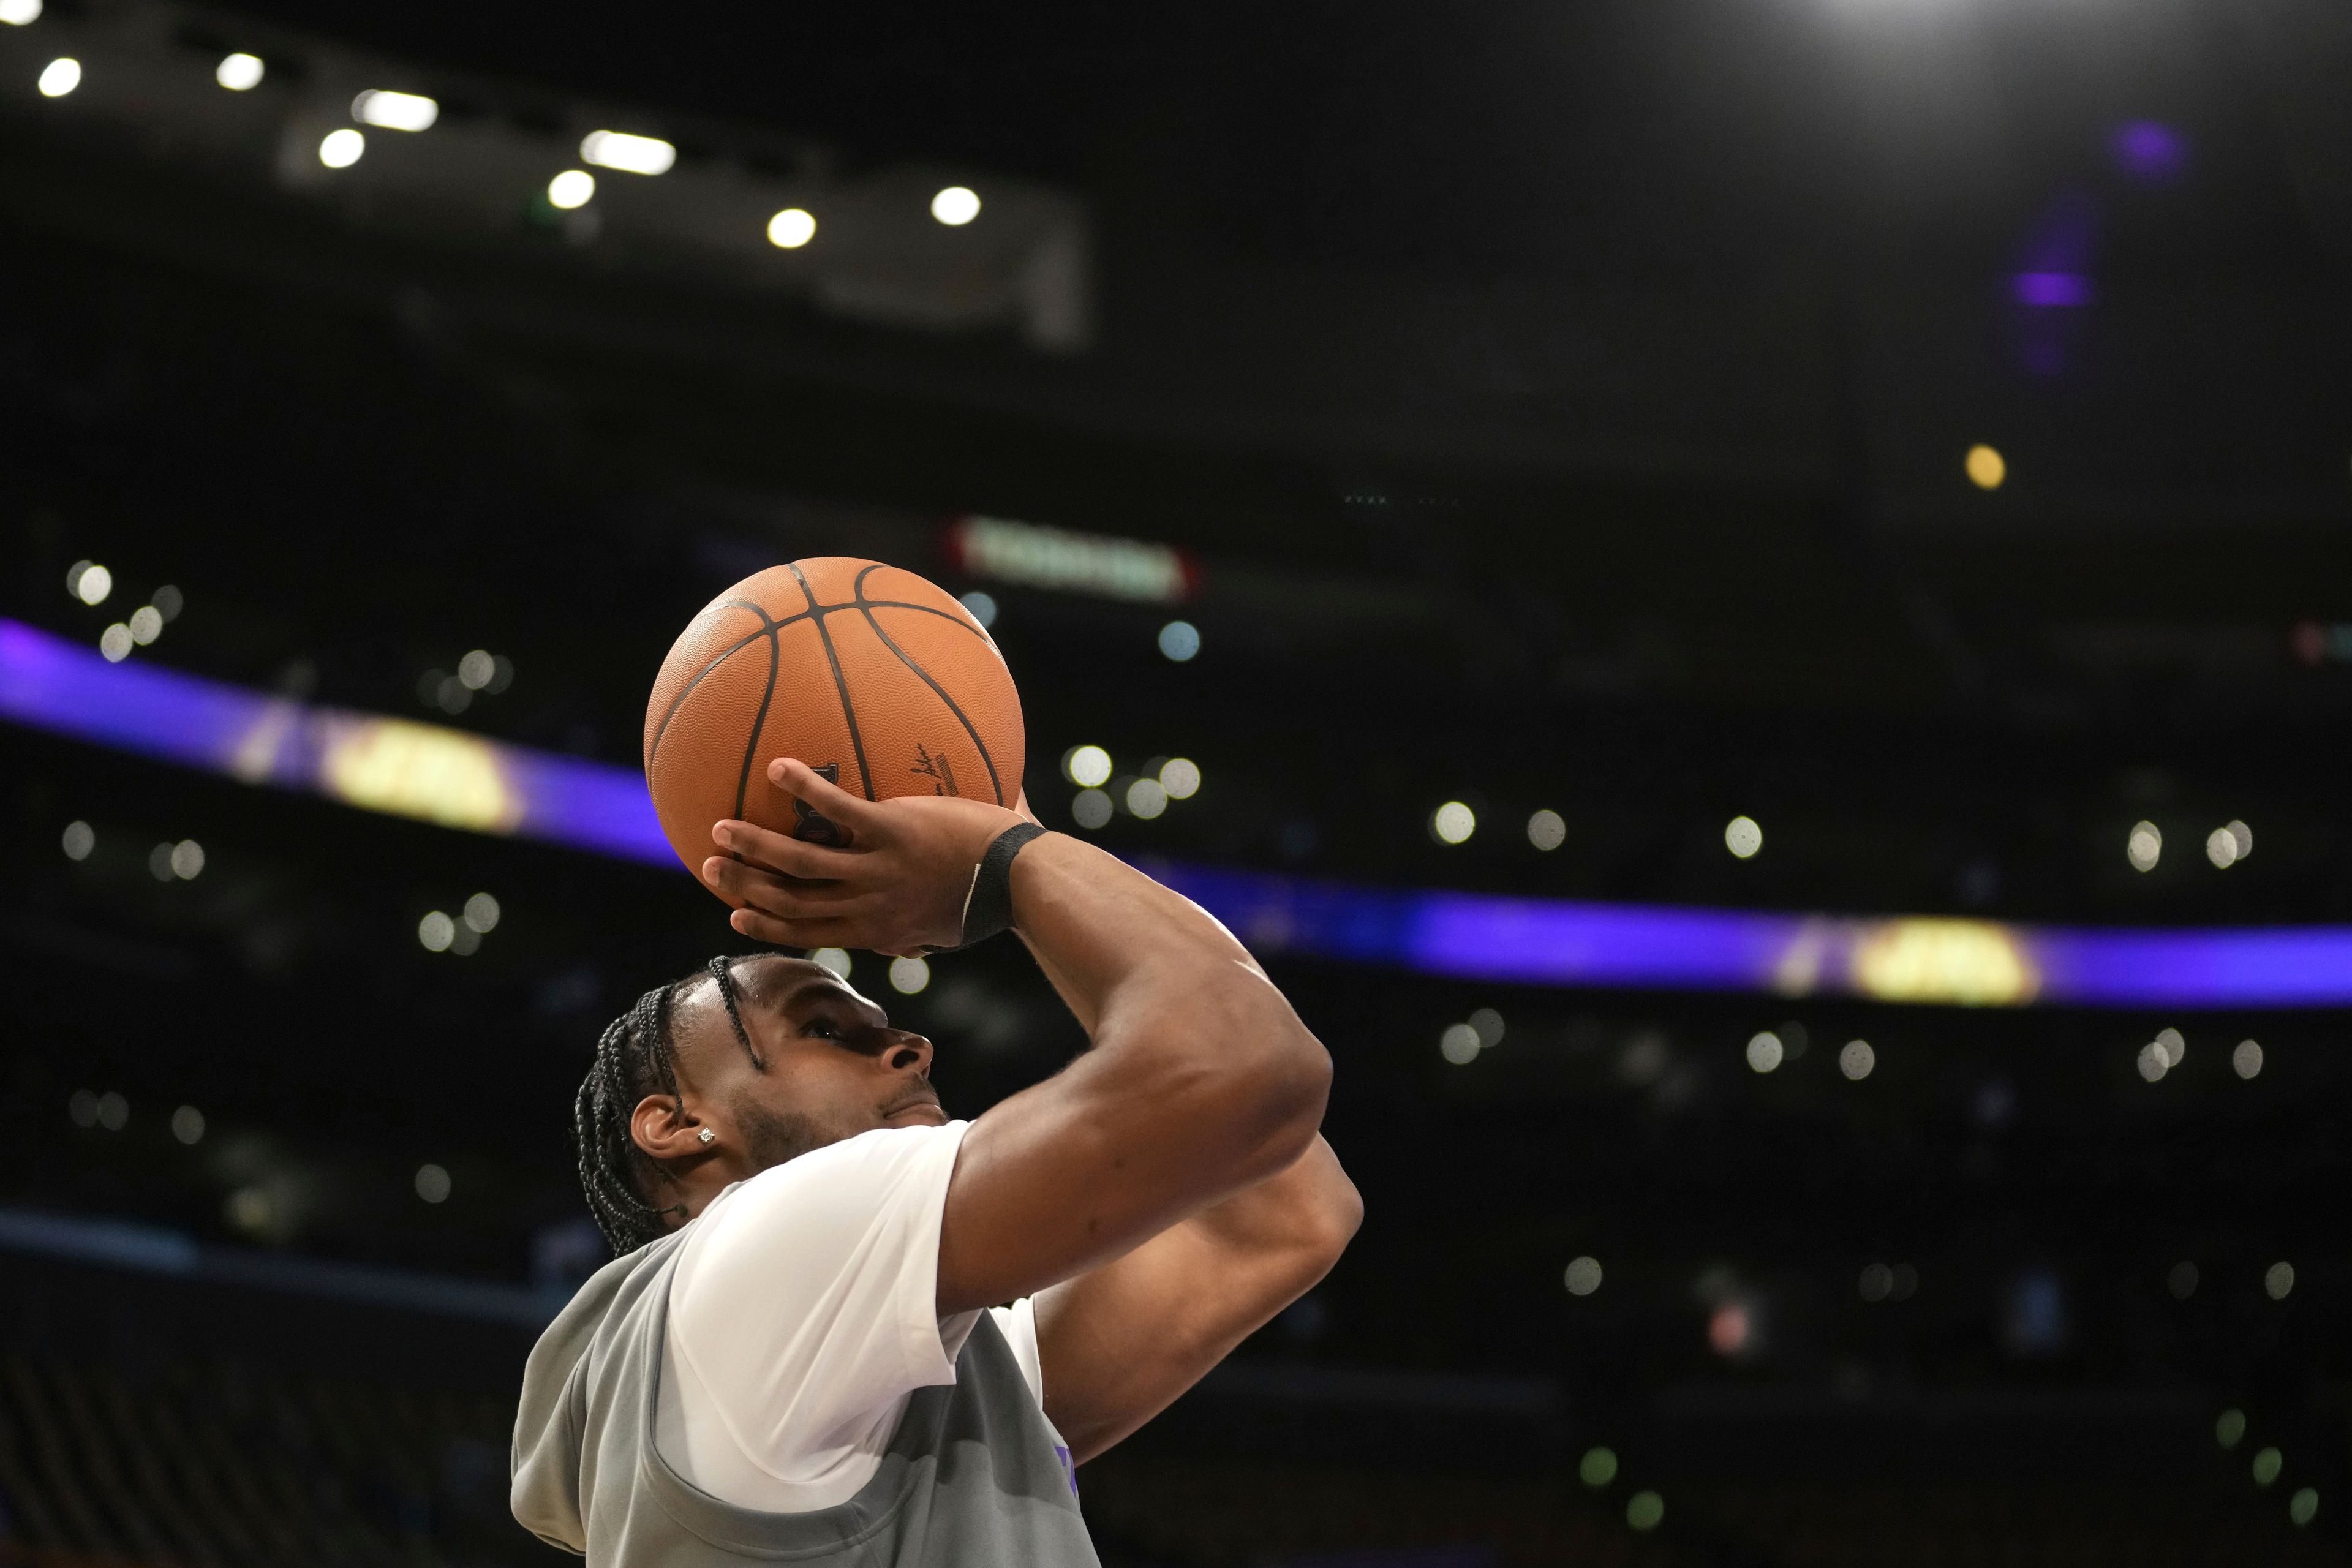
802	1313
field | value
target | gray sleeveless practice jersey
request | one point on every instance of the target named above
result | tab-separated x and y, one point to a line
973	1477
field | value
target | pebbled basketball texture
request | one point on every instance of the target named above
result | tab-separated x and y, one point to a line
867	673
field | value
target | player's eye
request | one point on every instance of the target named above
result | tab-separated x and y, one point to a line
822	1029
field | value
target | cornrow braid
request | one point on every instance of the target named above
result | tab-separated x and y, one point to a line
636	1057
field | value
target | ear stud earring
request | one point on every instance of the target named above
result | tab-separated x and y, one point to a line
706	1135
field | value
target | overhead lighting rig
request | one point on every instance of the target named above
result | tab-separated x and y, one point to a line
391	143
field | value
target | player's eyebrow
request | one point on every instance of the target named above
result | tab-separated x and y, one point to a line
827	985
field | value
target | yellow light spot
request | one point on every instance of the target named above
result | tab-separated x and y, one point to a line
1972	962
421	771
1987	467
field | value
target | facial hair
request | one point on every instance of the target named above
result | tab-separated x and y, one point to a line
771	1137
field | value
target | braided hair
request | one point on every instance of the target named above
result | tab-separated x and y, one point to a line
636	1057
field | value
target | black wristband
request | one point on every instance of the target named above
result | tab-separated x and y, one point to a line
988	907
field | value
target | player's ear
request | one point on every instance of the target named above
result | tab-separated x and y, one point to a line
662	1131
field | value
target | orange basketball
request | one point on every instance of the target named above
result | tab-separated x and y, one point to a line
877	678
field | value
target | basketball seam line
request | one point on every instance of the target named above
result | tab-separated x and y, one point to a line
995	784
848	712
770	630
818	611
759	719
678	701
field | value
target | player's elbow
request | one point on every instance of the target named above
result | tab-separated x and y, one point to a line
1290	1081
1335	1217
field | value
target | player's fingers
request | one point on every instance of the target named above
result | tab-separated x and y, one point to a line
782	853
783	896
778	932
826	798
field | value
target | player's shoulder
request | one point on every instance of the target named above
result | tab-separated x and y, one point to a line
849	1172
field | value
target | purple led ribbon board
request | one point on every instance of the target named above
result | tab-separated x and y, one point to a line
458	780
424	771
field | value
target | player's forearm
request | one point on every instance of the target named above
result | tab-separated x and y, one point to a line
1306	1213
1148	973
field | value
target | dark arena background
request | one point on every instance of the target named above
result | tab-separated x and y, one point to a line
1748	602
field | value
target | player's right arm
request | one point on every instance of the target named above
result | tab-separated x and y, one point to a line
1202	1082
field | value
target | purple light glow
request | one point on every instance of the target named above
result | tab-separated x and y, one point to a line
2148	152
2051	290
461	780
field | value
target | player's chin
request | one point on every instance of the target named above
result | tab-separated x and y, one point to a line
922	1113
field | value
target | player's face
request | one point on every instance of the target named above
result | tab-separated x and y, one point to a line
834	1067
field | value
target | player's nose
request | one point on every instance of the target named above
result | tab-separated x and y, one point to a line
907	1053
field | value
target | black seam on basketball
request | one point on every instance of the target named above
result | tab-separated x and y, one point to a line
927	609
687	689
759	722
988	761
768	629
841	686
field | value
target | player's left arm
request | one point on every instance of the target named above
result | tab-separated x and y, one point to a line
1119	1344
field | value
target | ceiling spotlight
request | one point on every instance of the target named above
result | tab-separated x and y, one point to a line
956	206
792	228
2145	846
630	154
572	188
1743	837
395	110
89	582
20	13
1453	823
60	77
239	72
341	149
1987	467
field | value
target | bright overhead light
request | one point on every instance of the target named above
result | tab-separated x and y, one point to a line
341	149
572	188
239	72
395	110
630	154
1743	837
1453	823
89	582
792	228
1145	798
60	77
1086	765
956	206
20	13
1987	467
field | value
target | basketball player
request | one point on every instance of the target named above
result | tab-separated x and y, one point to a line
803	1351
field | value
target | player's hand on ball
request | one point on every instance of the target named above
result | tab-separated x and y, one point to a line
898	887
